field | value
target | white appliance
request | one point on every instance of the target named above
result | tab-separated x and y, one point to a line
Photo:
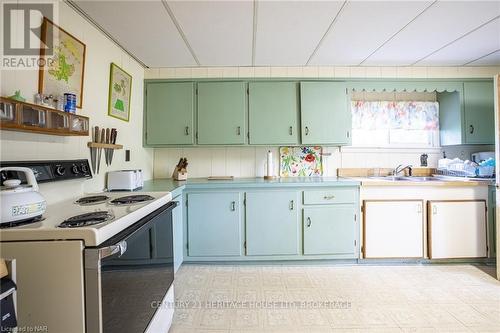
125	180
482	156
21	202
90	254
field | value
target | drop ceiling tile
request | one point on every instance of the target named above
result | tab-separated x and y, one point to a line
490	60
152	38
473	46
219	32
442	23
289	31
362	27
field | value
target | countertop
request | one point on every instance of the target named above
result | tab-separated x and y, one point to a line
176	187
451	183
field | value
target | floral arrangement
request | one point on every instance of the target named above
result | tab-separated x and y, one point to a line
301	161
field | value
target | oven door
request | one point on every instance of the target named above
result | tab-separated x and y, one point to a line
128	276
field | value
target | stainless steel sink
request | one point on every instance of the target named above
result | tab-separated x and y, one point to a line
388	178
404	178
421	179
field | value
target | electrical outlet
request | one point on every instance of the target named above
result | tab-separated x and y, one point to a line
127	155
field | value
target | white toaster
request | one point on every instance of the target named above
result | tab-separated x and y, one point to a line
125	180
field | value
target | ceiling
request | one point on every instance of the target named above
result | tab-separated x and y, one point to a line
184	33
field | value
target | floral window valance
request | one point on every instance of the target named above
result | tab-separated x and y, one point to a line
369	115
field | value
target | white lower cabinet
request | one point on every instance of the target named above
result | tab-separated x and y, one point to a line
393	229
457	229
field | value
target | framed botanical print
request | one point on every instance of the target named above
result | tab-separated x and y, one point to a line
62	64
120	89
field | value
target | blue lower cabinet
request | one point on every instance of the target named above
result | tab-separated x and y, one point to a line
329	230
272	223
214	224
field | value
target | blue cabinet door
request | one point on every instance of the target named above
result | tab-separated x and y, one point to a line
329	230
214	224
272	223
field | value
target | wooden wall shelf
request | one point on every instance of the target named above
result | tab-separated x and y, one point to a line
103	145
33	118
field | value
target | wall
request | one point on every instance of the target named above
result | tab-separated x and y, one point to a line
100	53
250	161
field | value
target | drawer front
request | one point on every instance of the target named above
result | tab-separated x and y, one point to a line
330	196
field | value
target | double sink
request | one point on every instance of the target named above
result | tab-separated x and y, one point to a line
405	178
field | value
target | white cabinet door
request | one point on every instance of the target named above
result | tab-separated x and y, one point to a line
393	229
457	229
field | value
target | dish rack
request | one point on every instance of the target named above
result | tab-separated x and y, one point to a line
469	172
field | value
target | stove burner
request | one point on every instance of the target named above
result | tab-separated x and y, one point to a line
87	219
92	200
131	199
21	223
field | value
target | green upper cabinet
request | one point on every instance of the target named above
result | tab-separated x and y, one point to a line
467	115
273	113
479	110
169	113
221	113
325	113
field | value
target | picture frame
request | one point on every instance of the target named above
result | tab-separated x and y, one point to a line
120	91
62	62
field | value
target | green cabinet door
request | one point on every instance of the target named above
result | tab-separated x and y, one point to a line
221	113
214	224
450	118
272	223
479	112
329	230
273	112
169	113
325	113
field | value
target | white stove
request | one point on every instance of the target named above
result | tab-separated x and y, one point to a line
116	216
90	256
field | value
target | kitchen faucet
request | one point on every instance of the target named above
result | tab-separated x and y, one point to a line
400	169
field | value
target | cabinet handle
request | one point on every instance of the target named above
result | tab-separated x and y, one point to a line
308	222
186	130
238	130
233	206
434	210
471	129
307	130
290	130
291	205
348	134
329	197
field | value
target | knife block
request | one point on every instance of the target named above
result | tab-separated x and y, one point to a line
179	174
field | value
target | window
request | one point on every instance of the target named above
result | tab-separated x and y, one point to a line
395	124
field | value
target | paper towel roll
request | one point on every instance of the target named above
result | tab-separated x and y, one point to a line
269	164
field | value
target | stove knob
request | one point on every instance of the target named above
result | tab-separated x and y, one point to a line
84	168
74	169
60	170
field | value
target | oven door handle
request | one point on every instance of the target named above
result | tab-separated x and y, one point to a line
108	251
